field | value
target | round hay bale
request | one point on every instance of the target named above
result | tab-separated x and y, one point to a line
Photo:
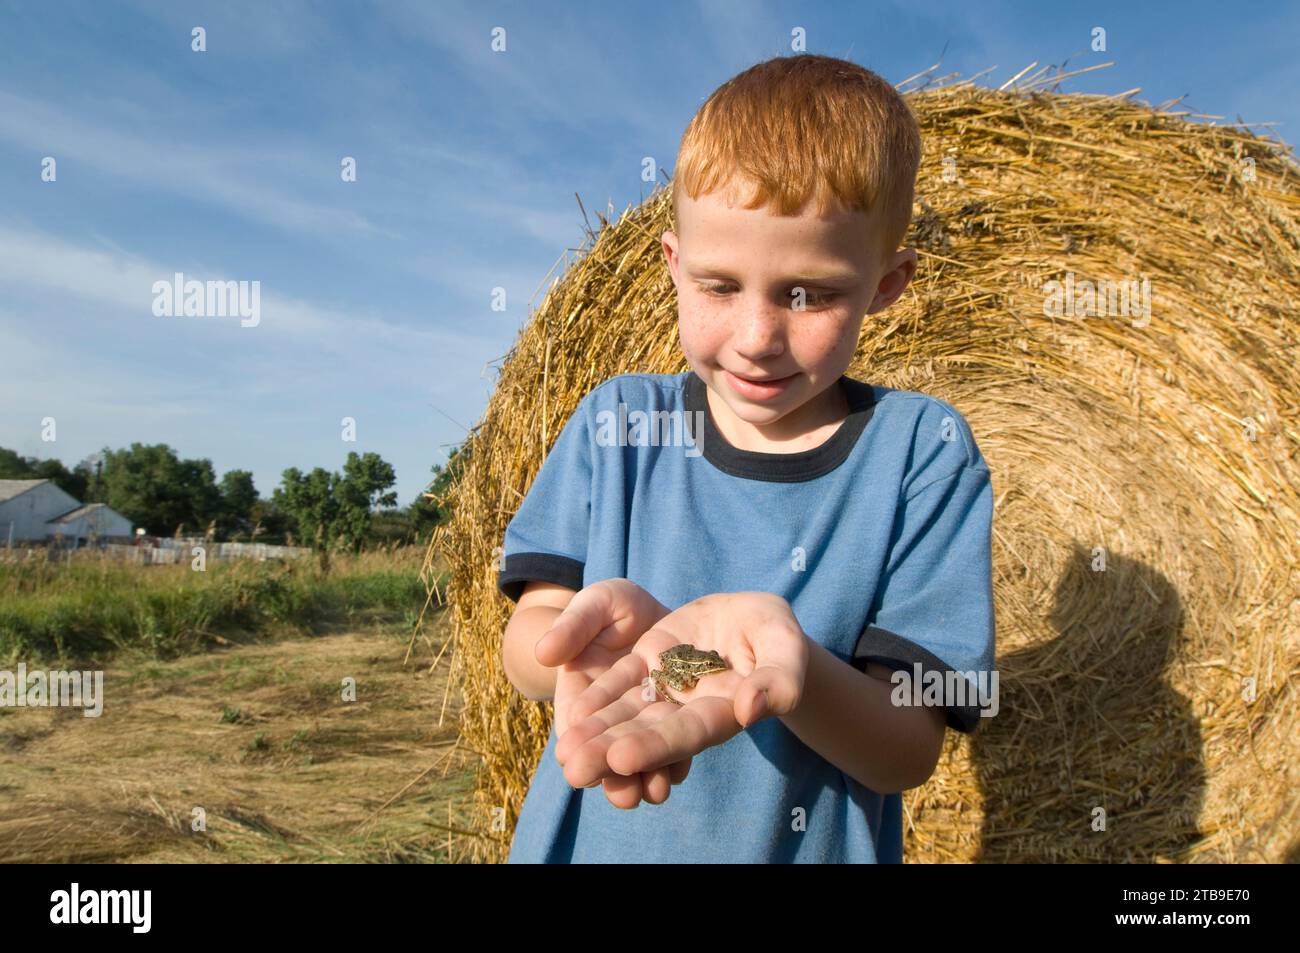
1146	469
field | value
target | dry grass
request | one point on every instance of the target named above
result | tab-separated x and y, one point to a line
1171	448
257	737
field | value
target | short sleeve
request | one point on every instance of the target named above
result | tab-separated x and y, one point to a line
546	540
934	602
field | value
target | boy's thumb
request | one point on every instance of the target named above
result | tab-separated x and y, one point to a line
760	708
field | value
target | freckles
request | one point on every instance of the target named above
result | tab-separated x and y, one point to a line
822	339
703	320
703	340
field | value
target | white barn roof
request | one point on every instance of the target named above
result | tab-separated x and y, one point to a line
11	488
71	515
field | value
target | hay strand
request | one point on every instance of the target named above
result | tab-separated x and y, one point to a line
1168	449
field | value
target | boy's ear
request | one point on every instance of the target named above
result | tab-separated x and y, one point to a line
670	246
897	276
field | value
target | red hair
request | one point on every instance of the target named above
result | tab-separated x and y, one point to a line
801	128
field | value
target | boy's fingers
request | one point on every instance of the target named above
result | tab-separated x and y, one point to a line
678	770
669	631
607	688
584	618
613	608
582	749
657	741
656	785
569	685
767	690
780	660
625	793
599	705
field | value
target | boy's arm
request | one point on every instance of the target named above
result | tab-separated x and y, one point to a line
534	614
933	607
848	718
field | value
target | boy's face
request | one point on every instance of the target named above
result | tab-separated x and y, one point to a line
737	273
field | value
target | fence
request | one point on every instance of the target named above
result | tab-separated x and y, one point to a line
168	552
177	551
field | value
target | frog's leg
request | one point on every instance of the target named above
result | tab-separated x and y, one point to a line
659	679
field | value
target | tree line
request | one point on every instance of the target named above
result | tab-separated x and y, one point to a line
156	489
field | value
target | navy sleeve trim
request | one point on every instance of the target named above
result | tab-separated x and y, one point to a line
522	568
897	653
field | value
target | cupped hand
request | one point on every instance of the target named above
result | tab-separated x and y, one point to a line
598	627
620	730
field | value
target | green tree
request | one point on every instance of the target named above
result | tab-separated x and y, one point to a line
391	526
238	499
270	523
12	466
334	511
426	513
155	489
74	482
204	496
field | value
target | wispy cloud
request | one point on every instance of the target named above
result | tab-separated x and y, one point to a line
38	262
376	294
249	183
82	345
561	66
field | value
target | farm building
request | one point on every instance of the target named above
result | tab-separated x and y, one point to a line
94	520
33	510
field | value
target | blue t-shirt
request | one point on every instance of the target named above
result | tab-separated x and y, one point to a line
879	538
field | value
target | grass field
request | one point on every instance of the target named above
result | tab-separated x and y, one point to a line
96	608
226	734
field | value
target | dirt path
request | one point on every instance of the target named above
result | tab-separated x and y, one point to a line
255	740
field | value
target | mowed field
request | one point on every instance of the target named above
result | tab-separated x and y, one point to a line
248	751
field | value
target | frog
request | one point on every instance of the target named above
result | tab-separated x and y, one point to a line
682	666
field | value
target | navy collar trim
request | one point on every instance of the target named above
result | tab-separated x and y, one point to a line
783	467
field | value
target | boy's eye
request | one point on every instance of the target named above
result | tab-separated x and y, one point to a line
811	299
814	299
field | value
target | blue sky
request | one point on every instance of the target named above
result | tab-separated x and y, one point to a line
376	294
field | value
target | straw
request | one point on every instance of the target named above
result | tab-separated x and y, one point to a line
1170	450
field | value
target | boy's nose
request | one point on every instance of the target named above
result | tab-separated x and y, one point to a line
760	335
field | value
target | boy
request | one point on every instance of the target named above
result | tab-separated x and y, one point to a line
821	533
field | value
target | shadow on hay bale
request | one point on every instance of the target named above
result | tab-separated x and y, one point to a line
1135	743
1145	528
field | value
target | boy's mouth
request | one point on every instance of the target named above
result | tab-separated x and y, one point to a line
758	388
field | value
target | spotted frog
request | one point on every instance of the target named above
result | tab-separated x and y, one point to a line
682	666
